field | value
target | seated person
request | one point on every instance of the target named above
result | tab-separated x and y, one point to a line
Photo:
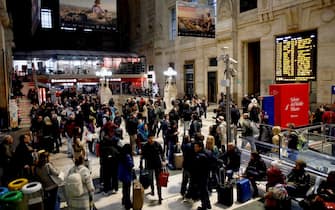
255	171
274	175
325	195
231	160
298	180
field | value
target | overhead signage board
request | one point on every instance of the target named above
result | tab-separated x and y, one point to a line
296	57
194	19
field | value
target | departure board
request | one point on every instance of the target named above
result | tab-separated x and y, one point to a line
296	57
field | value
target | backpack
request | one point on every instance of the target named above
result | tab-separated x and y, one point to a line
74	186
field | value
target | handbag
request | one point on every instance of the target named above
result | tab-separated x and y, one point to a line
163	177
145	176
59	180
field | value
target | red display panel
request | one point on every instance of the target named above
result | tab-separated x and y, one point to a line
291	103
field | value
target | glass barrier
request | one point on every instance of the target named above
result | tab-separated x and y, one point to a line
313	146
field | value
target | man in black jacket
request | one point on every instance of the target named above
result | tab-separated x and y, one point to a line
152	152
200	174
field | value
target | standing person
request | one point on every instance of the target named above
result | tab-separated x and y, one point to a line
110	152
164	125
6	160
24	156
255	171
43	171
81	202
56	132
172	139
200	174
247	133
125	174
132	131
292	143
187	116
152	152
221	131
188	154
69	127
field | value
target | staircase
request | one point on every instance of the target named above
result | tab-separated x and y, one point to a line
24	105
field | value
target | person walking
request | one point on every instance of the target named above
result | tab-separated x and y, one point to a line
152	153
6	160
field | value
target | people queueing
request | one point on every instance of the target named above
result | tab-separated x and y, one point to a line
153	155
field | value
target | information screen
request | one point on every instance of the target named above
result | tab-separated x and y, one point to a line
296	57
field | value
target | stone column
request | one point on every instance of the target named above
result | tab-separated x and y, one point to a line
6	61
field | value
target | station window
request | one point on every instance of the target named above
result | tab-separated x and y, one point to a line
173	24
46	20
213	61
246	5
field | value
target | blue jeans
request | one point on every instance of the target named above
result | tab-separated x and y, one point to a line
171	153
251	141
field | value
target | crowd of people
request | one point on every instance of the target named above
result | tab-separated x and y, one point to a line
91	127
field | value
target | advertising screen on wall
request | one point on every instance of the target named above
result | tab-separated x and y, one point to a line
88	15
195	19
296	57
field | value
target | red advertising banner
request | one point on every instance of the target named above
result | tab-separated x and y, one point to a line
291	103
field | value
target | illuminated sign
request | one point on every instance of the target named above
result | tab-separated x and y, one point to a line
296	57
63	80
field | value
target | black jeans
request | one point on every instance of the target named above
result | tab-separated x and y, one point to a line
185	181
159	188
126	195
50	198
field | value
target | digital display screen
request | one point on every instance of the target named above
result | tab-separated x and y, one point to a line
296	56
88	15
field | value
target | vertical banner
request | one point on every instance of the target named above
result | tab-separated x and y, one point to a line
13	114
195	19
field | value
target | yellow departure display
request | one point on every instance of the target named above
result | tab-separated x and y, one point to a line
296	57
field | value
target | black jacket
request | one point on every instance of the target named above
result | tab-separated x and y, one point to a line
153	154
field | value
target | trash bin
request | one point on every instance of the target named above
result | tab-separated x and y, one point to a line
17	184
3	190
13	200
33	195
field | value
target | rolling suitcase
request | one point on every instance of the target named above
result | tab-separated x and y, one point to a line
225	194
243	190
138	195
178	160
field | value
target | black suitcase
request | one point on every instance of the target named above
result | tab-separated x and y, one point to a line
225	194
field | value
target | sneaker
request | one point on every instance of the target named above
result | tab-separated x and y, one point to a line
160	201
106	193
